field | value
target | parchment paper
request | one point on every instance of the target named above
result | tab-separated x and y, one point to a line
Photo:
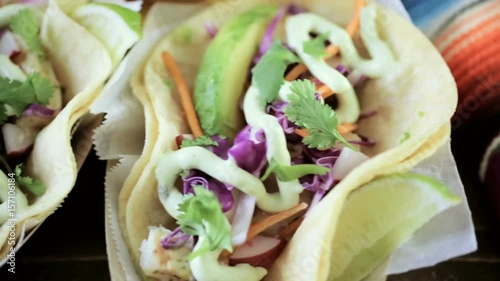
448	235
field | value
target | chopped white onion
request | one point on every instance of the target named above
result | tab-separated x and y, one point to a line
16	139
8	44
347	161
242	218
356	77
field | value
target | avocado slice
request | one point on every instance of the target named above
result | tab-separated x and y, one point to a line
224	69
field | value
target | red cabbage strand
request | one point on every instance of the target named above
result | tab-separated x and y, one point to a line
211	29
175	239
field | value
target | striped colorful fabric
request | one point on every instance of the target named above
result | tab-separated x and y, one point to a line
470	44
467	33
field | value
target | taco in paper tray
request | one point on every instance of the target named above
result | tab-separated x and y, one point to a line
52	65
298	114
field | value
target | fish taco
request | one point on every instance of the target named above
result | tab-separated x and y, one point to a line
265	119
52	68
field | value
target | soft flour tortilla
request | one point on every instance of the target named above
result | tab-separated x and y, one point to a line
138	170
413	108
81	64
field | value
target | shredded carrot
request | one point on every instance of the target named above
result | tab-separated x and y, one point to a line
347	128
351	28
186	100
333	50
324	91
343	128
302	132
274	219
264	224
296	72
289	230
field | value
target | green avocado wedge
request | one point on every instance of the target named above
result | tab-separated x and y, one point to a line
224	69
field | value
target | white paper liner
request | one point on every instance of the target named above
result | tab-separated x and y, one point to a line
120	263
448	235
118	136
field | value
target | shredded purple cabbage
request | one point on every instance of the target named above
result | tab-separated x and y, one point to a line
222	148
249	153
318	195
317	183
175	239
294	9
315	154
344	70
250	133
221	190
249	150
210	28
325	158
39	111
276	109
267	41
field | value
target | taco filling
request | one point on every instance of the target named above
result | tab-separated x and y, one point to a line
248	180
30	99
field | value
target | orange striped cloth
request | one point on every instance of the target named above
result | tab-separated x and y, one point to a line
470	44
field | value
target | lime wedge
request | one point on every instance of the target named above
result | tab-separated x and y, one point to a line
118	28
379	217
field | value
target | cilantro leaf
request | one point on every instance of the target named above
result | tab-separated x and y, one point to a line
3	114
201	215
199	141
42	87
316	46
26	23
293	172
269	71
18	95
319	119
34	186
